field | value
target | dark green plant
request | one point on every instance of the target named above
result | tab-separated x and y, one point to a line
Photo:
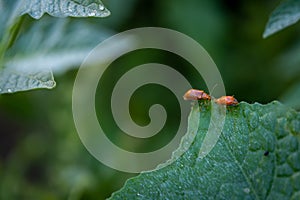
257	156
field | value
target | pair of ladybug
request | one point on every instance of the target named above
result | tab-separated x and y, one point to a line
194	94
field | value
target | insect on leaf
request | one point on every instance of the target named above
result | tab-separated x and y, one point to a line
256	157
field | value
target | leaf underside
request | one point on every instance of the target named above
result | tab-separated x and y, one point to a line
286	14
16	80
256	157
31	68
63	8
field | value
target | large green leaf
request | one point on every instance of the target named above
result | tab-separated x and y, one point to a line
286	14
63	8
256	157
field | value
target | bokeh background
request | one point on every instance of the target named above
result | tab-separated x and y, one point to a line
41	155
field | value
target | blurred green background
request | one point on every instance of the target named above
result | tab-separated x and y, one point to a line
41	155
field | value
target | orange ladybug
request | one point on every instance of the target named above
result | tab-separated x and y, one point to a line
227	100
194	94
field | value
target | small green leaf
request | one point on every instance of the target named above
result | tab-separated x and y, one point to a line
286	14
21	79
63	8
256	157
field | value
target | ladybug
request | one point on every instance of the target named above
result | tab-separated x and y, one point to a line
194	94
227	100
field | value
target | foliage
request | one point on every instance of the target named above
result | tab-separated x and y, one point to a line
257	157
286	14
72	8
41	156
57	43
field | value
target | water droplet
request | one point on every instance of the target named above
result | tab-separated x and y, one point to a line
49	84
93	13
246	190
70	10
101	7
0	90
9	90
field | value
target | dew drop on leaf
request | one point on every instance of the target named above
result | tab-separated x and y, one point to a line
101	7
91	14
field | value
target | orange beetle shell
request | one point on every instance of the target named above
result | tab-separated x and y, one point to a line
227	100
194	94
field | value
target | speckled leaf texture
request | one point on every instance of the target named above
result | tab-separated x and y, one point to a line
286	14
256	157
16	80
63	8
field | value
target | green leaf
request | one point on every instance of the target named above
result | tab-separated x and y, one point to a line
55	45
58	44
286	14
63	8
22	79
48	45
256	157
